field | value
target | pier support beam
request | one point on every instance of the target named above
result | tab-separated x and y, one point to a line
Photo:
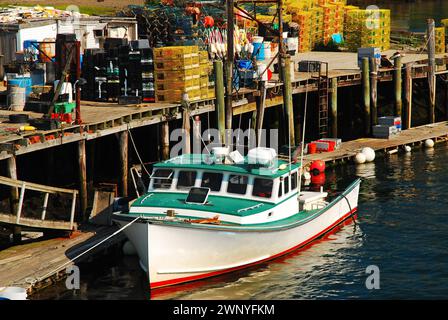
197	132
431	69
229	64
398	87
407	122
123	151
82	174
14	196
165	137
366	94
334	107
287	98
186	125
374	92
261	104
220	99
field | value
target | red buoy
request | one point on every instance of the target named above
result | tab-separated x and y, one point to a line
319	179
209	22
317	167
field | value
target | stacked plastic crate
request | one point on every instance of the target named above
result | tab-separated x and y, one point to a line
367	28
317	27
440	40
304	20
177	72
206	82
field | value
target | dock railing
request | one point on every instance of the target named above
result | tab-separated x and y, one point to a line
17	219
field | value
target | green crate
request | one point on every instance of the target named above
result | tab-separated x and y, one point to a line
64	107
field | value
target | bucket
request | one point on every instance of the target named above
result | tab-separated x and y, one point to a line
292	45
16	98
23	82
12	293
66	89
258	52
267	50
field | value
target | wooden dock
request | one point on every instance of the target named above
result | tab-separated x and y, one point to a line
411	137
37	264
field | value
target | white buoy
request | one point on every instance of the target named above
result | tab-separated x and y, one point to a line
360	158
429	143
307	175
369	154
129	249
407	148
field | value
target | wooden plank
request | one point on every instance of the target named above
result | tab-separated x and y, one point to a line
34	186
35	223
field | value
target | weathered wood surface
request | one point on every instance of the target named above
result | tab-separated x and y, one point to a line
27	265
408	137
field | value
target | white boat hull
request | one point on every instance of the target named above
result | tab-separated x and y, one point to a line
173	254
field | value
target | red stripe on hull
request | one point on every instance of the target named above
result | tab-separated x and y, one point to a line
304	244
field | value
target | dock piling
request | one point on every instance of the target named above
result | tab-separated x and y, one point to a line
220	100
431	69
374	92
165	137
123	150
366	92
334	107
408	96
398	86
287	98
82	176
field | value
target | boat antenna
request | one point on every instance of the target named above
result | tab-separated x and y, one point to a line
302	147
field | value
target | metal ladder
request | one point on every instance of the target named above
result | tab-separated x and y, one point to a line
323	89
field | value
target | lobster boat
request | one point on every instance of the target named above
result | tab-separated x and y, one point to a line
209	214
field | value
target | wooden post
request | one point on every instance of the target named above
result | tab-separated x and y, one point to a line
14	196
197	145
123	151
398	87
165	136
373	92
82	176
220	99
287	98
366	92
431	69
261	102
186	125
407	122
229	65
334	107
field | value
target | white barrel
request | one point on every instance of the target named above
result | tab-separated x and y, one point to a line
66	89
267	50
16	98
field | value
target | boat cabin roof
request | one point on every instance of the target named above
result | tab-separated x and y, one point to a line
199	162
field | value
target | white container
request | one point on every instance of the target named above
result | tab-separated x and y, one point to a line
267	50
16	98
257	39
260	155
285	35
13	293
292	44
261	67
66	89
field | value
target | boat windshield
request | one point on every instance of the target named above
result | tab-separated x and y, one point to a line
262	188
237	184
162	178
186	179
212	180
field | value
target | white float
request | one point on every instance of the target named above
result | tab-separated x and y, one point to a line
307	175
360	158
429	143
407	148
369	153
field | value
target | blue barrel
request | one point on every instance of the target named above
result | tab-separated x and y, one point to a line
28	44
22	82
258	51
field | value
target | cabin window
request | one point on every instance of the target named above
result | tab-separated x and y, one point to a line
186	179
280	189
294	181
262	188
212	180
162	178
286	184
237	184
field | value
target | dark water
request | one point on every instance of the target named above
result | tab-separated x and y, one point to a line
410	15
402	228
